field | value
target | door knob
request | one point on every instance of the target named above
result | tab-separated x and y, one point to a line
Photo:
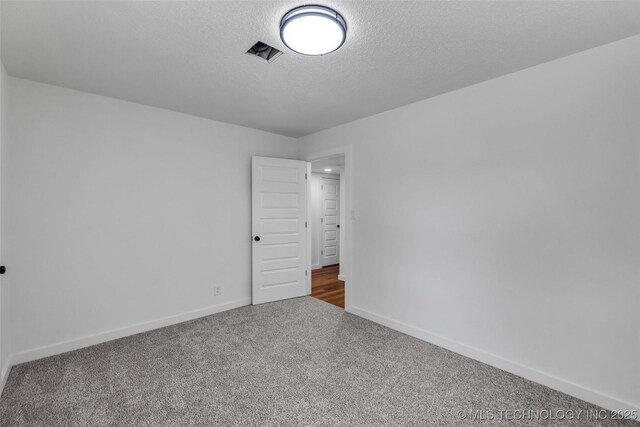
257	238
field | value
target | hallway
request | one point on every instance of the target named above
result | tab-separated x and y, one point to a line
325	285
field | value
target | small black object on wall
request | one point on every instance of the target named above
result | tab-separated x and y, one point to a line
3	269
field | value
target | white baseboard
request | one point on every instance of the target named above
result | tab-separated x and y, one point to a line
581	392
316	266
4	374
86	341
342	277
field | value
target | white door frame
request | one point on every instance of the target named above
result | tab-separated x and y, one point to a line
346	266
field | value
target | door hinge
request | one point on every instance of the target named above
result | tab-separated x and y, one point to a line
321	219
322	187
305	273
321	252
305	175
305	224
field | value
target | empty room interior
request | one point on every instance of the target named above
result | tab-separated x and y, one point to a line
337	213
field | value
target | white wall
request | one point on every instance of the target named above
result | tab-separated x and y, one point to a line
5	332
120	214
505	223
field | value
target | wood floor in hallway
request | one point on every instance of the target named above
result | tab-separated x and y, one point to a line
326	286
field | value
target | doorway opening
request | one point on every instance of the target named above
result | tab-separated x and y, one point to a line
327	216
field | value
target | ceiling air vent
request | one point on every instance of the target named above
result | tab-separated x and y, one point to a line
264	52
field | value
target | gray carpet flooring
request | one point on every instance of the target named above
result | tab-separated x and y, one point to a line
290	363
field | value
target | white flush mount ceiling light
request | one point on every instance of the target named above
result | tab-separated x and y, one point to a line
327	170
313	30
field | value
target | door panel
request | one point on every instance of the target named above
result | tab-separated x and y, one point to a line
279	214
330	236
329	253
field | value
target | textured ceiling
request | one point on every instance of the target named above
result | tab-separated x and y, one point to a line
189	56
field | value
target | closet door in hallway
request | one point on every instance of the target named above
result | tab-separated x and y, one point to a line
329	225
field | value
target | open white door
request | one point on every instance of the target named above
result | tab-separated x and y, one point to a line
279	215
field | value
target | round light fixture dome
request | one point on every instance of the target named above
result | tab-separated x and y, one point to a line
313	30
